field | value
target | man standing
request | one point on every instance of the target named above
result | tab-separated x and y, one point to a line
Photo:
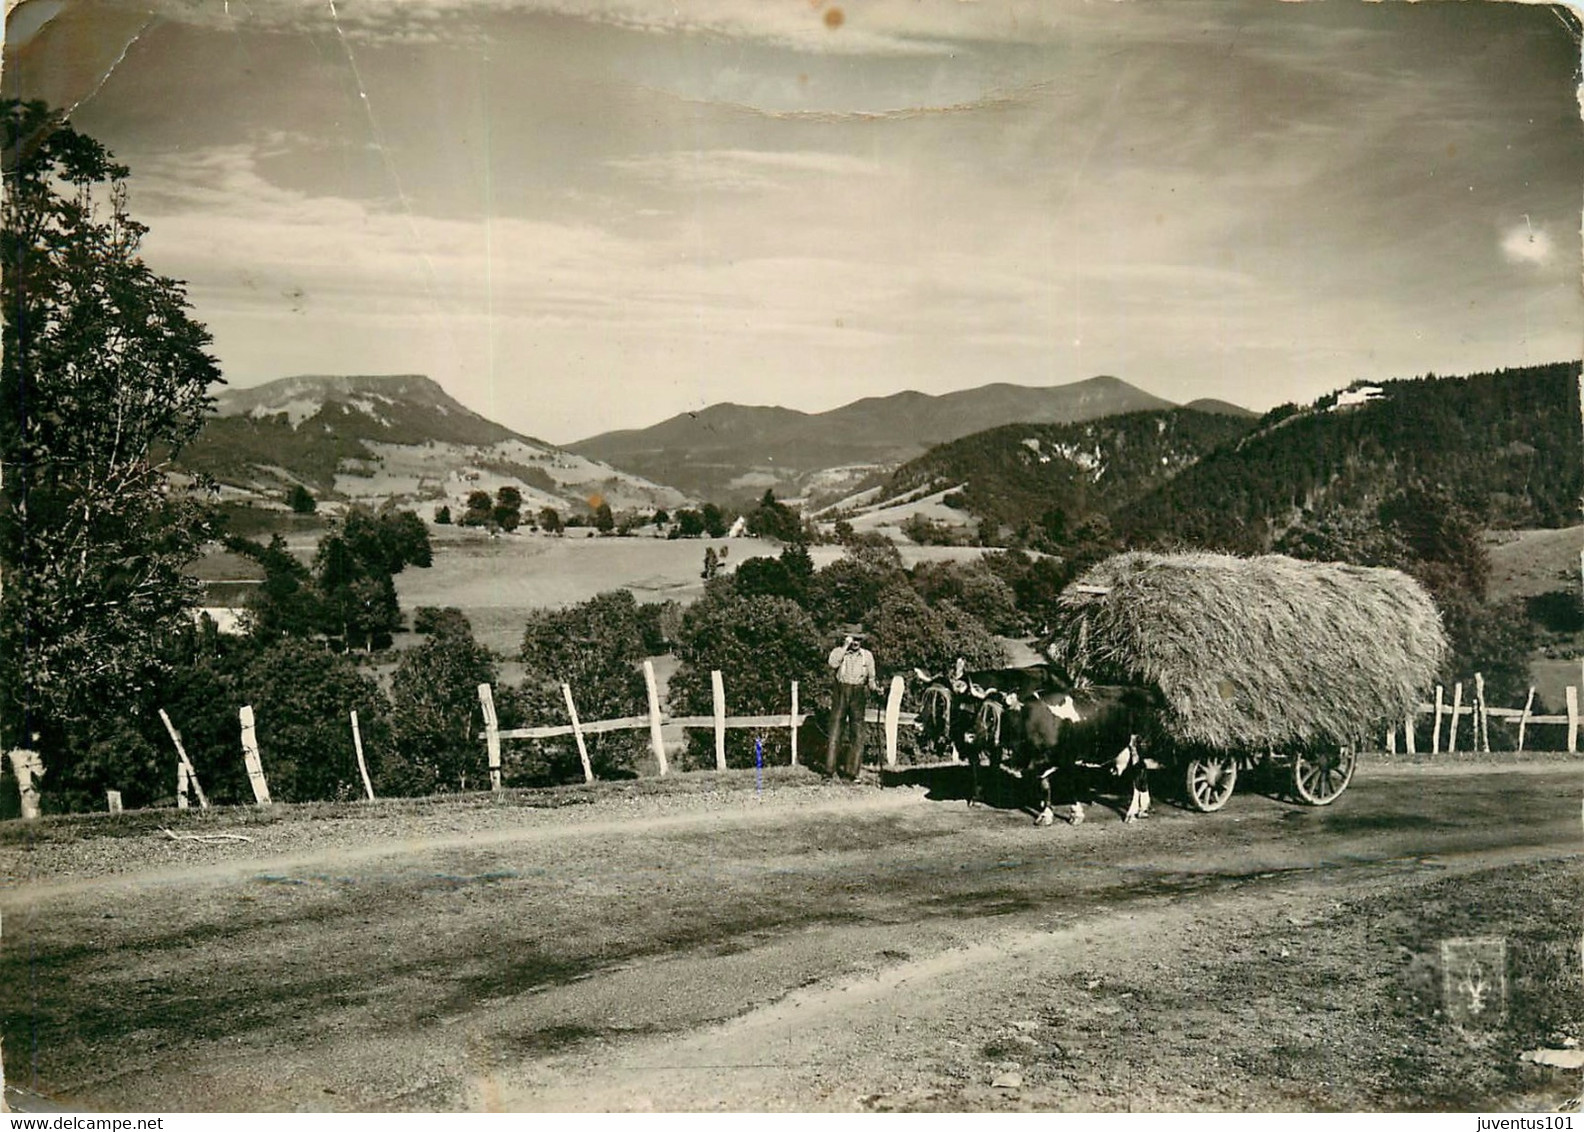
854	668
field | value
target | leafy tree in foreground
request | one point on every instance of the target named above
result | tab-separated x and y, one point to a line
106	376
435	709
595	647
301	695
760	644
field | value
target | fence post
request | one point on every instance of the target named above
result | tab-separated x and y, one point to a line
1523	720
893	711
113	800
5	1105
1435	741
719	687
577	732
250	756
1457	707
1573	719
491	735
28	767
183	786
656	740
794	721
1408	734
357	745
1481	719
181	753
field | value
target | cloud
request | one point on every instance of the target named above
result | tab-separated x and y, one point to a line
1526	244
741	170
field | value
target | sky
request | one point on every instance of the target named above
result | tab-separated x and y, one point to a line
582	215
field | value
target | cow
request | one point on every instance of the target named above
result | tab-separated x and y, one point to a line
1061	733
963	710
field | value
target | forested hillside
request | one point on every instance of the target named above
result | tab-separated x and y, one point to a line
1045	479
1504	447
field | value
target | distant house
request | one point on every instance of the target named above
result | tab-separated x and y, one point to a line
227	619
1349	398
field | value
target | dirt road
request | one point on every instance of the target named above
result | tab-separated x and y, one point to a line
821	948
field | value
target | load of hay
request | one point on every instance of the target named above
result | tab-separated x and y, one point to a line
1255	653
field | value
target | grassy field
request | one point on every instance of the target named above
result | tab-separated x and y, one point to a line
496	582
1525	563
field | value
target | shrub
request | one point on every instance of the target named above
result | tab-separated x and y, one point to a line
435	714
595	648
1559	611
760	644
849	588
301	694
973	588
905	632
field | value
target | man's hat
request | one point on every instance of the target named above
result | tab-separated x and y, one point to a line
852	631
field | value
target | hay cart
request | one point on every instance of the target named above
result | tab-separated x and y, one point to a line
1266	664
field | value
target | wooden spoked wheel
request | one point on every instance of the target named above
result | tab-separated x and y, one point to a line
1208	781
1319	777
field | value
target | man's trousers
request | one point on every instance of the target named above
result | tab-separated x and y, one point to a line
849	704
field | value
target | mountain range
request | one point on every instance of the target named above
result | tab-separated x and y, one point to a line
732	452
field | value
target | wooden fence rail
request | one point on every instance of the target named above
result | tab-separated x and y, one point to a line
891	718
1480	714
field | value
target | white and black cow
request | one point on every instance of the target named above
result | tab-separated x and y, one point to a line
1061	734
963	711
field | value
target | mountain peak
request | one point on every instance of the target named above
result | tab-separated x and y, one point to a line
728	450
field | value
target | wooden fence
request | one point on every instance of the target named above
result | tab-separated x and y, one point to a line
891	717
1447	716
1480	714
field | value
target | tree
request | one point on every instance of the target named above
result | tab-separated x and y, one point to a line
434	708
972	587
550	520
508	508
774	519
714	520
905	633
761	644
849	588
286	603
711	563
442	516
106	377
301	500
595	648
355	570
690	523
301	694
661	518
604	521
480	510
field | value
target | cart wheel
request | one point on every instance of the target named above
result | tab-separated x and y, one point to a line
1319	778
1209	780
